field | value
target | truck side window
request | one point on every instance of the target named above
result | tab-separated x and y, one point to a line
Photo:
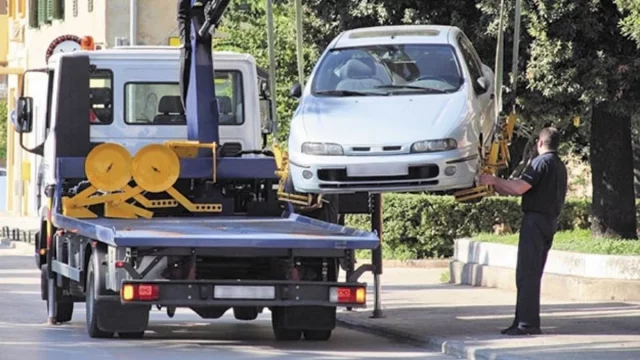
101	97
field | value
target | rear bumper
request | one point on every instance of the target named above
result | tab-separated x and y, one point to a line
245	293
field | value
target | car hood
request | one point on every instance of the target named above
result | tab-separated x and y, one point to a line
382	120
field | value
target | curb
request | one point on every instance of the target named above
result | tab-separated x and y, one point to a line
562	286
22	248
454	348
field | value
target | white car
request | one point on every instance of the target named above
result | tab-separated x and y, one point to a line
393	108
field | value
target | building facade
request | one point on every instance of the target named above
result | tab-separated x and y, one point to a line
31	26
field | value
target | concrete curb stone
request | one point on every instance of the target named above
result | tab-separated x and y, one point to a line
448	347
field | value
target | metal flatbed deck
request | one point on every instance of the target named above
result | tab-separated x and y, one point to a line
294	231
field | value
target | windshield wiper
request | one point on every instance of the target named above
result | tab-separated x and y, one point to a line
413	87
348	93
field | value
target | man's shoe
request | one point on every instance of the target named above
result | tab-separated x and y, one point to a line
505	331
517	331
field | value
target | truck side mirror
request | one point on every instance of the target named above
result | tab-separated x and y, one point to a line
264	90
23	117
266	118
296	90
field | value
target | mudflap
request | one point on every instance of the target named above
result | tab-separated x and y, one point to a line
305	317
114	317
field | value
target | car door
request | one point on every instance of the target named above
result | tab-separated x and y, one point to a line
483	97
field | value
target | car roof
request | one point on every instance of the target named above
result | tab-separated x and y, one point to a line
397	34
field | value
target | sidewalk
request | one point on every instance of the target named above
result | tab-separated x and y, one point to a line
466	321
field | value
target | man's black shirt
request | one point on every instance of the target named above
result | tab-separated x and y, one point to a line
547	176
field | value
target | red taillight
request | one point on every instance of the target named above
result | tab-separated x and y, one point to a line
140	292
348	295
119	264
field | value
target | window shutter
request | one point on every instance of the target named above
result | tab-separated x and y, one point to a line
75	8
42	12
49	10
33	13
58	9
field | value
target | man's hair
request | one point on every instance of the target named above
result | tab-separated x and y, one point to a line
550	137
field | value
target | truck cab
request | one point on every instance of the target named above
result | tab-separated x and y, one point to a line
135	101
135	98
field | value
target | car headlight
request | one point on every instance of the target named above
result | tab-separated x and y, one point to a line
434	145
312	148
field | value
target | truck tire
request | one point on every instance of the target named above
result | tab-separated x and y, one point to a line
64	304
92	306
317	335
245	313
279	331
131	335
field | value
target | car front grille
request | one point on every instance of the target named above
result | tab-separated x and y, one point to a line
416	173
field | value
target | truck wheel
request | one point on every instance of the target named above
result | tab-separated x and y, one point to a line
92	307
245	313
279	331
64	304
317	335
131	335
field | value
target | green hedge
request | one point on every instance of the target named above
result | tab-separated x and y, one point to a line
423	226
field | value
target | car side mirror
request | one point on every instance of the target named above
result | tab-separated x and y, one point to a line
296	91
23	116
483	83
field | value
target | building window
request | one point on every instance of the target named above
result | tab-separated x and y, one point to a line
90	5
33	13
46	11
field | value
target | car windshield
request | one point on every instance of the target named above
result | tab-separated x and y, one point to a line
388	70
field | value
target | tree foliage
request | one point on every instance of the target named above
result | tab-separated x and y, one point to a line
247	29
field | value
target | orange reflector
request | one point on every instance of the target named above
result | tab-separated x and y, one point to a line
87	43
128	292
119	264
140	292
43	251
348	295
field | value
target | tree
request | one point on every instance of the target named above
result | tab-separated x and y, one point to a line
334	16
247	29
580	62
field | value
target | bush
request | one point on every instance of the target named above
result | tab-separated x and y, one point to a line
424	226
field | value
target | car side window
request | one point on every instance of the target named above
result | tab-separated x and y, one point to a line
475	69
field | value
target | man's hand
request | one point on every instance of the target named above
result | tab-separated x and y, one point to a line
486	179
515	187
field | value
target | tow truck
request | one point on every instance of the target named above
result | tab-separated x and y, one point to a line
181	216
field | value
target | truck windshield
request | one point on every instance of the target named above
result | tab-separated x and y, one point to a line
159	103
388	70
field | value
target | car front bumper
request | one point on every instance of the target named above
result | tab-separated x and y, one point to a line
441	171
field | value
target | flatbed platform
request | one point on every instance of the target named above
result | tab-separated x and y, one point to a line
294	231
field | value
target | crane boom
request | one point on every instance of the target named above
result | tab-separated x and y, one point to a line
197	21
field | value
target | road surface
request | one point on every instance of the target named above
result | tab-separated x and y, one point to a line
24	334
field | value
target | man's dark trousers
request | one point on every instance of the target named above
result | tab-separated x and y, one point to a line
536	237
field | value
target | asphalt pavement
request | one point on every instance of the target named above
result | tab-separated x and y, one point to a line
25	335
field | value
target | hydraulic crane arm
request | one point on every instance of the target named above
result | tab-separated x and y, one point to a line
197	21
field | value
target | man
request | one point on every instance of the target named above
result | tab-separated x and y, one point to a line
543	188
